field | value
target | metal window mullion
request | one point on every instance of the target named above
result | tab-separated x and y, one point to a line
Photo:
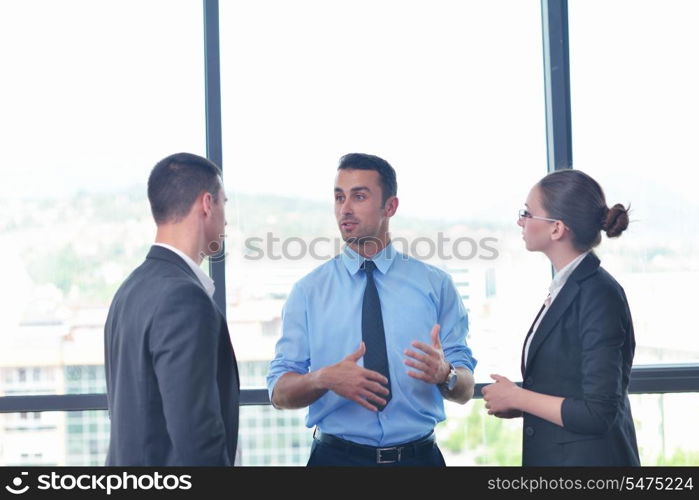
214	141
559	147
647	379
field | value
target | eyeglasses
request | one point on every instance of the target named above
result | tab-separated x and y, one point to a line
525	214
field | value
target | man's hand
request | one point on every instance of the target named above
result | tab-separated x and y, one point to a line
351	381
500	398
432	367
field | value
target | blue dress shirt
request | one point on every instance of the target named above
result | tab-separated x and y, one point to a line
321	325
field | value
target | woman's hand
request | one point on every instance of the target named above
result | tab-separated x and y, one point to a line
501	397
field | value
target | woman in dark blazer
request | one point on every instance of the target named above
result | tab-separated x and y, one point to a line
578	353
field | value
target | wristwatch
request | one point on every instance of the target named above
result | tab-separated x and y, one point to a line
450	382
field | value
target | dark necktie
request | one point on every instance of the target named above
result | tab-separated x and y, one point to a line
375	357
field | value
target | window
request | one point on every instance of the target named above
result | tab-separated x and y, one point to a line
451	93
441	92
634	130
97	92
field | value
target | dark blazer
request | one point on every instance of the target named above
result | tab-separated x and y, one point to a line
583	351
172	378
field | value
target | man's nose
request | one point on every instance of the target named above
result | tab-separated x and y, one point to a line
346	208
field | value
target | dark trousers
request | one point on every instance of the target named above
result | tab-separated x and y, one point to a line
325	455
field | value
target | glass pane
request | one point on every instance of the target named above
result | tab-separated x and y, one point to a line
662	423
450	93
634	109
471	437
54	438
268	436
93	94
272	437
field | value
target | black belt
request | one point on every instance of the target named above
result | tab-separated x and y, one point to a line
386	455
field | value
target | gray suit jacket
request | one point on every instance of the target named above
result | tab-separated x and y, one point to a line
172	379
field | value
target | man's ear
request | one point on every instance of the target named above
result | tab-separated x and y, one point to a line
391	206
206	201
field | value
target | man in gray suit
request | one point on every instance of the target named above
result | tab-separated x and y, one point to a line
172	378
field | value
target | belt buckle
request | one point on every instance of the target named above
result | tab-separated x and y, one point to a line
395	457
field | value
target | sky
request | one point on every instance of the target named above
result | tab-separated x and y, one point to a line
449	92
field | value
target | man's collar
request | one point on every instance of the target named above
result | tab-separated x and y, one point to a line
383	259
203	278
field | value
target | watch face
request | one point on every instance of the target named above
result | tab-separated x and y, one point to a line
451	381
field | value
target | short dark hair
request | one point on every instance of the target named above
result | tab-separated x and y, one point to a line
577	199
176	181
362	161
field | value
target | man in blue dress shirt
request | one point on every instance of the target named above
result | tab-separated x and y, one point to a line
364	417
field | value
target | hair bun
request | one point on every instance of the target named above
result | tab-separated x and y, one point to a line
615	221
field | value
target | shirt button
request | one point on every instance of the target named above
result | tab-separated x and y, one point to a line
529	431
529	382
